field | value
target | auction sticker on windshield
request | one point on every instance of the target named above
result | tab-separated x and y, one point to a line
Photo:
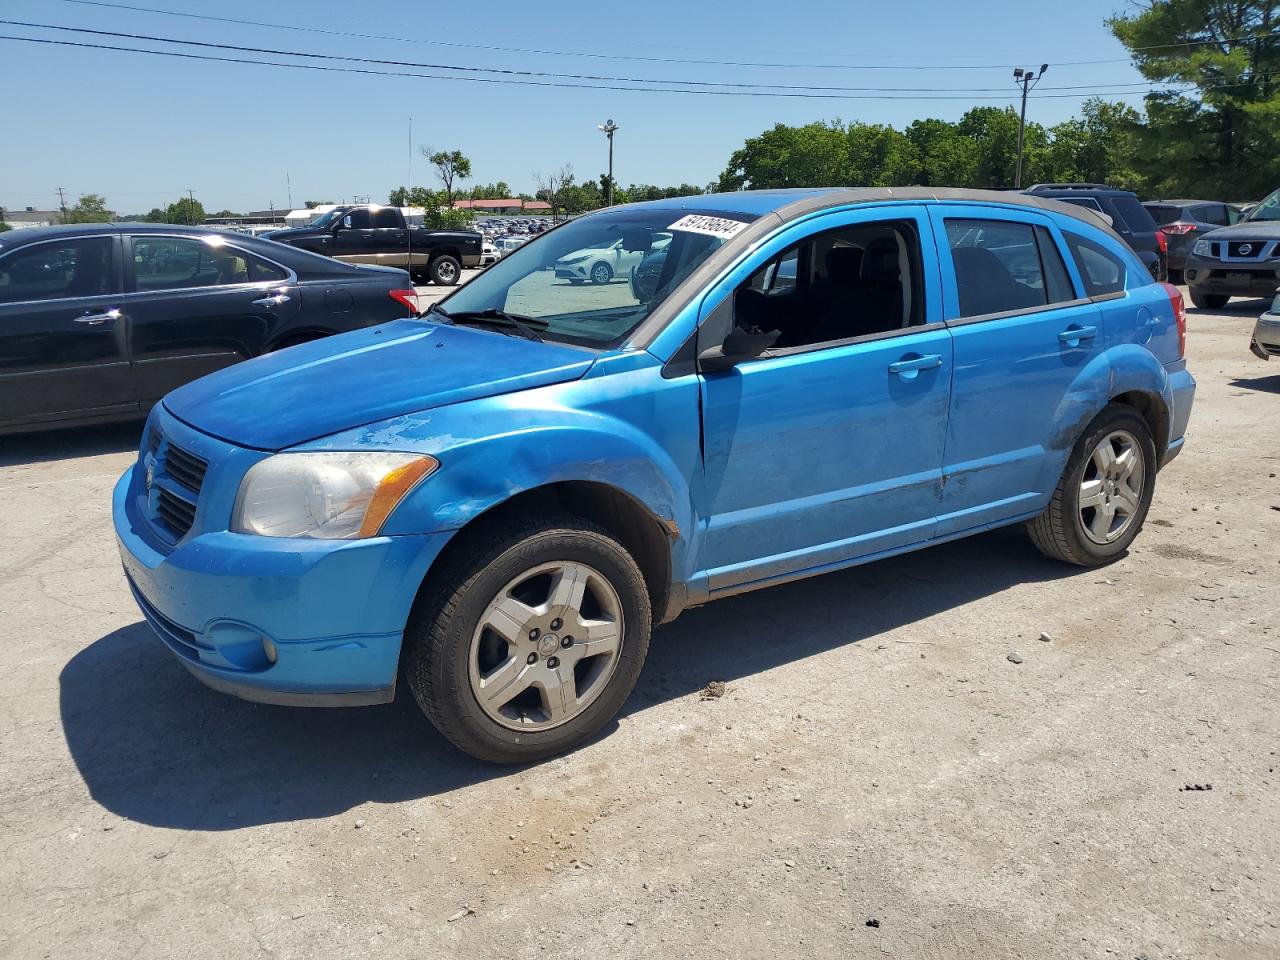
710	226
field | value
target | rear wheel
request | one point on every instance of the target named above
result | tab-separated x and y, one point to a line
530	639
1209	301
1105	492
445	270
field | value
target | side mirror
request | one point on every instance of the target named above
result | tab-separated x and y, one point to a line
343	224
738	347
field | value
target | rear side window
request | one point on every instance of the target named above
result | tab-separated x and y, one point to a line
1002	266
1214	213
182	263
262	272
1134	214
1102	271
385	217
52	271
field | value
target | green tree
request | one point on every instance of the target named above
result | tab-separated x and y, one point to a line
944	158
438	212
878	156
5	227
312	204
451	166
812	155
184	210
154	215
490	191
1099	146
90	208
1221	139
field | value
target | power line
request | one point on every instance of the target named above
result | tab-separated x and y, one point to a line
270	51
549	83
649	59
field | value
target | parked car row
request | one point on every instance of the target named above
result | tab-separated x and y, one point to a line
98	322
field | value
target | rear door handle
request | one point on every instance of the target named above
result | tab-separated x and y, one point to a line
272	301
98	319
1073	335
909	367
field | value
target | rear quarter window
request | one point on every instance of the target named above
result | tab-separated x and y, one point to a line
1102	271
1162	213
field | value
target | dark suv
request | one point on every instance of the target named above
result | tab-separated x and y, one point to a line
1128	217
1183	222
1242	260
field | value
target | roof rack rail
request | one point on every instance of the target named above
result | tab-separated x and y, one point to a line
1040	187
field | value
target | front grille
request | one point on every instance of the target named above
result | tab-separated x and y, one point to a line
186	468
178	514
1243	248
174	486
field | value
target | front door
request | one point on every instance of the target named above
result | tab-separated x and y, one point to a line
829	447
198	305
63	351
1025	338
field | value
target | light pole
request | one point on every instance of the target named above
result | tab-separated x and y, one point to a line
609	128
1026	79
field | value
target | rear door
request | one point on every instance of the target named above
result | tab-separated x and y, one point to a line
63	352
198	304
1023	334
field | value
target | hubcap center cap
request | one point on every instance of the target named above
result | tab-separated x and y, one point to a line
548	644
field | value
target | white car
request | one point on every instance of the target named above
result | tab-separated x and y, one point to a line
599	264
488	253
505	245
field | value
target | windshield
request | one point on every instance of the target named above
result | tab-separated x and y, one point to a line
579	281
325	219
1268	209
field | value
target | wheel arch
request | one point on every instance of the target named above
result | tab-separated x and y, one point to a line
642	534
295	336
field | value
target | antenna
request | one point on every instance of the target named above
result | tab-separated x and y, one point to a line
408	201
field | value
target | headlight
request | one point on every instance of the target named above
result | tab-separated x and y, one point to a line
569	261
1201	249
326	496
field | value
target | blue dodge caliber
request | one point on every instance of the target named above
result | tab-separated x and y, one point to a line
498	500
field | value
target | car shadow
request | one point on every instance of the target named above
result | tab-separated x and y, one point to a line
54	445
156	747
1269	384
1254	306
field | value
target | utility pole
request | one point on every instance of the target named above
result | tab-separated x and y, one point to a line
191	208
609	128
289	184
1026	79
62	204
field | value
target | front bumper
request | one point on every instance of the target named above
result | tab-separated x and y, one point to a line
1266	336
572	271
1232	278
275	620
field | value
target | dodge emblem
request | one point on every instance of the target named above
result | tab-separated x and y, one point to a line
151	472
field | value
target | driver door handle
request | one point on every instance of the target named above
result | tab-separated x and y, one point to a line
909	367
98	319
272	301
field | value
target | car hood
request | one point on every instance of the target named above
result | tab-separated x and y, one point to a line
339	383
1248	230
294	233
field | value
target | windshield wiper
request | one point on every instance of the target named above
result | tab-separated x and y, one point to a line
444	315
522	325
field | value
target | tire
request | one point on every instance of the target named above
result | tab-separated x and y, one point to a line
1062	531
1209	301
577	283
453	654
445	270
1175	277
601	273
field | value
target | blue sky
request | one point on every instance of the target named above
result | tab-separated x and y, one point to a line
142	129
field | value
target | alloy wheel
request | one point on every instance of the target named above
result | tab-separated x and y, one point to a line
1111	488
546	646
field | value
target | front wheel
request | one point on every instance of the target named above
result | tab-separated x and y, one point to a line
601	273
529	640
445	271
1209	301
1105	492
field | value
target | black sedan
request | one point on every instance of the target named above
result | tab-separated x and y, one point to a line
99	321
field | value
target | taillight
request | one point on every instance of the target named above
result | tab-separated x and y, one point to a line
1177	229
1179	315
408	298
1162	241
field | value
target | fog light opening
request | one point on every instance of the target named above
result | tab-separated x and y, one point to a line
269	648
